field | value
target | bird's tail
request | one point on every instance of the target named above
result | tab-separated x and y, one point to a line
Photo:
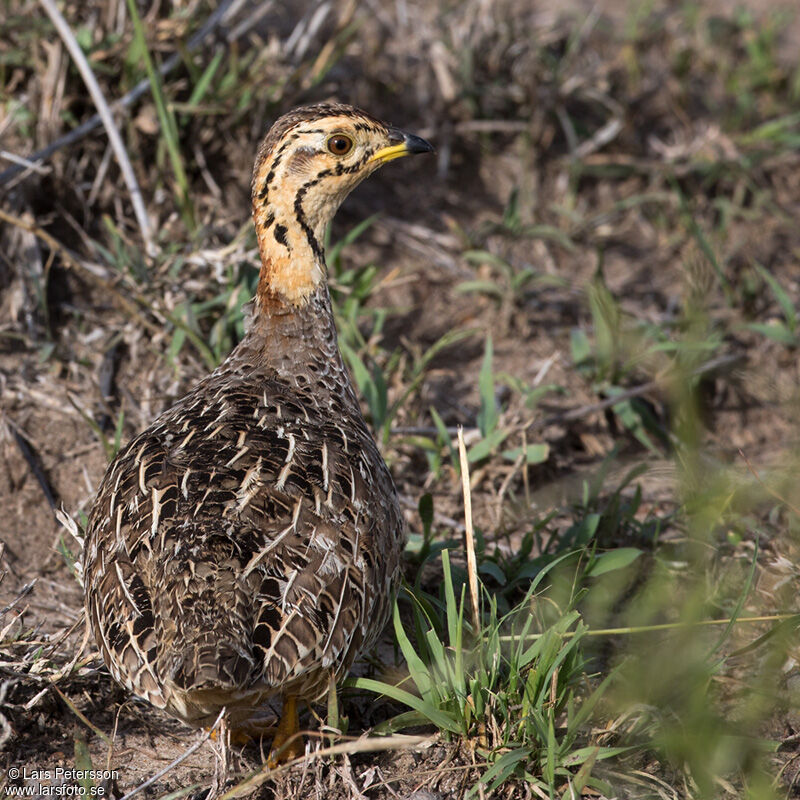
211	660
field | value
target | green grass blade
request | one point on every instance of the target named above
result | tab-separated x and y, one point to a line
439	718
740	601
488	415
449	599
416	667
204	82
502	769
781	296
169	128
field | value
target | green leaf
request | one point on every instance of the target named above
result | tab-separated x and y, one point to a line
426	513
485	257
417	669
334	252
784	301
371	385
451	609
166	118
772	130
444	436
630	414
511	219
488	414
176	344
333	718
439	718
583	531
549	640
83	763
84	38
491	569
534	453
582	753
485	287
484	447
549	767
502	768
549	232
408	719
776	331
580	346
583	774
613	559
743	594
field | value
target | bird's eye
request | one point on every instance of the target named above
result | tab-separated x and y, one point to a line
339	144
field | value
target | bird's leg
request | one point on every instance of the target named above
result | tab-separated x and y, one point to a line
288	743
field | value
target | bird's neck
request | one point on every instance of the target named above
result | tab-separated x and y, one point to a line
284	328
290	215
282	338
292	307
293	317
292	259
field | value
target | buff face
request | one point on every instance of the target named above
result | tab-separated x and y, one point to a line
302	175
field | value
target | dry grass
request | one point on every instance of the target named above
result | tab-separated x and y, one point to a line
615	202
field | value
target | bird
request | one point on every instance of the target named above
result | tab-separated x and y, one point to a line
247	544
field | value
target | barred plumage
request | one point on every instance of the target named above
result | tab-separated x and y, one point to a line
247	543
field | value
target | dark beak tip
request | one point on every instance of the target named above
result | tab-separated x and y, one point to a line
416	144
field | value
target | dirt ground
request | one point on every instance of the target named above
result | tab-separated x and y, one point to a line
607	139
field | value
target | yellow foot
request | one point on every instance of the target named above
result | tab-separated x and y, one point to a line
243	733
288	743
238	737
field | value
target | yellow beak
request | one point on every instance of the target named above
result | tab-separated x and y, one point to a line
408	144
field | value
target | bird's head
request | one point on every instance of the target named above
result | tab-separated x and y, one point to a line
310	160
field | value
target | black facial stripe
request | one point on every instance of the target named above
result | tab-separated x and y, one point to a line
275	161
280	235
301	217
270	175
341	169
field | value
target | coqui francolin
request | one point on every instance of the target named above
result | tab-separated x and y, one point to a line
247	543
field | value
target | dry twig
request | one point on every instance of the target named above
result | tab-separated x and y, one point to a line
374	744
124	304
65	32
469	536
141	88
32	460
181	758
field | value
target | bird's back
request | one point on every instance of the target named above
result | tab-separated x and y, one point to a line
246	542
